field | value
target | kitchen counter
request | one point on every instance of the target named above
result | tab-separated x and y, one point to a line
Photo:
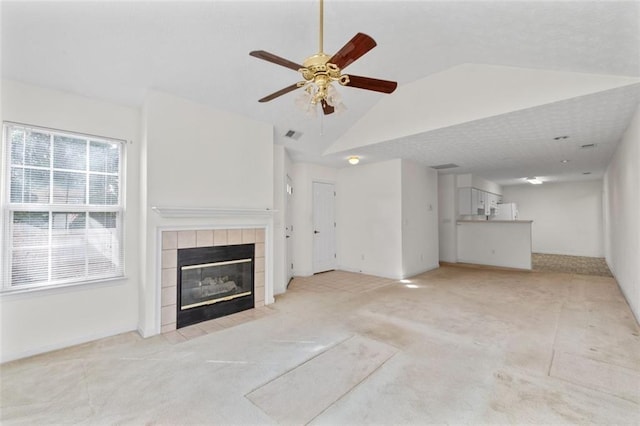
495	221
504	243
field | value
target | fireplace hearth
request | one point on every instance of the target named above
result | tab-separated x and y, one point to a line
213	282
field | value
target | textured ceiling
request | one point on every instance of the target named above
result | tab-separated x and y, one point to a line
199	50
508	147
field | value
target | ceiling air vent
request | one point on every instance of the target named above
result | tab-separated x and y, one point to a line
292	134
588	146
445	166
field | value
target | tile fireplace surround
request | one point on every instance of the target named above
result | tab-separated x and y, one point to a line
174	240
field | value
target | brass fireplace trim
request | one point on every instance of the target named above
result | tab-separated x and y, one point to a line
212	301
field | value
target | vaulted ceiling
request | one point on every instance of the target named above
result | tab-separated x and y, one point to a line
484	85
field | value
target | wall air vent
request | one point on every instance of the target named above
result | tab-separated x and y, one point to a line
292	134
445	166
588	146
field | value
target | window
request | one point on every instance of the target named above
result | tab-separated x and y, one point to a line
62	207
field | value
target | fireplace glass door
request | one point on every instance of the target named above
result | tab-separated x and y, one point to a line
214	282
210	283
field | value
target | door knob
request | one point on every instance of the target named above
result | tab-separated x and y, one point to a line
316	232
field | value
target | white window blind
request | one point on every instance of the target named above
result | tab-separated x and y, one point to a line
63	207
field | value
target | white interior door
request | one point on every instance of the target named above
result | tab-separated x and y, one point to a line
288	229
324	235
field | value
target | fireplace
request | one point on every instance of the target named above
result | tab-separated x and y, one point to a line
213	282
173	241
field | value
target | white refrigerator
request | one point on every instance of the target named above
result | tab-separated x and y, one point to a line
506	211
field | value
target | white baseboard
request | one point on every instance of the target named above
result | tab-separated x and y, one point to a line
368	272
636	315
144	334
422	271
304	273
12	356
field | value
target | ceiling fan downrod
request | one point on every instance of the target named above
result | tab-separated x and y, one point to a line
321	47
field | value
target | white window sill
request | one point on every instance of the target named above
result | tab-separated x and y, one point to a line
60	288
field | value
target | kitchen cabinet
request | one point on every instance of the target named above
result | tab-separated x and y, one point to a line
479	199
492	203
474	202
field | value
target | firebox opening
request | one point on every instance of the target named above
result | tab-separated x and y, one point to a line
214	282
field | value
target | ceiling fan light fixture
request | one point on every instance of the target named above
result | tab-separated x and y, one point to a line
320	70
333	96
340	108
305	102
334	99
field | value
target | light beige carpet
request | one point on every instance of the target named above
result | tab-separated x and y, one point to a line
301	394
455	345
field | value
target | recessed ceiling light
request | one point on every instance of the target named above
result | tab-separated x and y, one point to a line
559	138
564	161
533	180
353	160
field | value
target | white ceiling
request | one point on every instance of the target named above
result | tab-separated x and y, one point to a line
117	50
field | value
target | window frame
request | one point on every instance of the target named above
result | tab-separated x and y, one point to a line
7	209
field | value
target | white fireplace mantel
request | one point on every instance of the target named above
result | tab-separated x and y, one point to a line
201	226
185	212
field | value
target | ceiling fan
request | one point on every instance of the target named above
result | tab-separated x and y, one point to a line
320	70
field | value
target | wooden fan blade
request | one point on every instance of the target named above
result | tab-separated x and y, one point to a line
328	109
270	57
355	48
384	86
279	93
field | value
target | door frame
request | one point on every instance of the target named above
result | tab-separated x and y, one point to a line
332	229
288	228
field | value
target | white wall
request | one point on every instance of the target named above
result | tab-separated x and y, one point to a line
369	219
621	209
567	216
197	156
447	216
495	243
419	218
49	319
474	181
303	175
486	185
